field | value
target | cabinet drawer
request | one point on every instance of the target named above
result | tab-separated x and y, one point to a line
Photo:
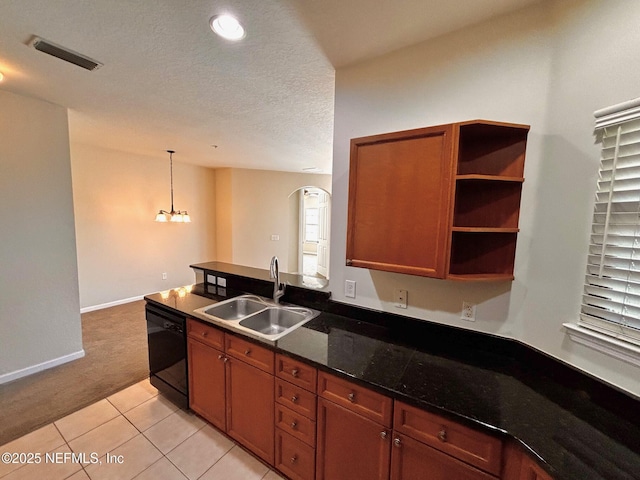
365	402
205	334
296	425
294	458
296	372
250	353
297	399
471	446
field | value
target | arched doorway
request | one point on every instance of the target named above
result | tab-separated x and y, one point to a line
309	220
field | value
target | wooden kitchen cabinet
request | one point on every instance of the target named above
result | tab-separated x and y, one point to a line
413	460
354	434
530	470
232	389
295	421
441	201
349	445
426	445
206	375
520	466
466	444
250	408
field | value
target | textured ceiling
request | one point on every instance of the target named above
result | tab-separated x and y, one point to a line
169	82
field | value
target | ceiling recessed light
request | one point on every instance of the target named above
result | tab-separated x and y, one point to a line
227	27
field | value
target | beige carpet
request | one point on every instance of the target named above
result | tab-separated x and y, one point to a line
115	345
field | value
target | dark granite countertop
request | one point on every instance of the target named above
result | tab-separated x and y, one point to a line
291	280
578	427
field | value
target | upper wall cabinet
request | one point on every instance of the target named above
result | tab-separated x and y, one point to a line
439	202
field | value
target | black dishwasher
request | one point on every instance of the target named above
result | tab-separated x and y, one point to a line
167	353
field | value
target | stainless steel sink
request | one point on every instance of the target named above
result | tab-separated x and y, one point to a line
235	309
256	316
273	320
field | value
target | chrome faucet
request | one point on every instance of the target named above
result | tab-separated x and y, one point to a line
278	288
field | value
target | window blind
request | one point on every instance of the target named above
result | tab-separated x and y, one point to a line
611	298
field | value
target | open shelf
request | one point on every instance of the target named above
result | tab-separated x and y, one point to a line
487	148
488	255
482	203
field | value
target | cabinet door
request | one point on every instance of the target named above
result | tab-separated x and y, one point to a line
207	382
250	408
531	471
400	188
413	460
350	446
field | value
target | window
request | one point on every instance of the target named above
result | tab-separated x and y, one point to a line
311	225
610	312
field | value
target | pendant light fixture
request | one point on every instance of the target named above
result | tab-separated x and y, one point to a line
179	216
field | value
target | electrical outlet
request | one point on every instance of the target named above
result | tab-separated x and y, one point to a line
400	298
164	276
350	288
468	312
222	282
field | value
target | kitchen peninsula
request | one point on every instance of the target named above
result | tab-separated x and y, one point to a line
532	405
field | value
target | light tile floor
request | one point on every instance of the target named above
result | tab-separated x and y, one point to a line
135	433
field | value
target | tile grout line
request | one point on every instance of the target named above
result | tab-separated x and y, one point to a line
70	449
217	461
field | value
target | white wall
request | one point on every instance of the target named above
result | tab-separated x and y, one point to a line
122	251
258	203
39	308
595	64
545	66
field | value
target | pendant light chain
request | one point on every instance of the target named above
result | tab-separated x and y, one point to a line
171	152
176	216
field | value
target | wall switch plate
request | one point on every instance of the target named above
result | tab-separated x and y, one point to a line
350	288
275	238
164	276
222	282
400	298
468	312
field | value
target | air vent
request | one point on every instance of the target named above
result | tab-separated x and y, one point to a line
64	53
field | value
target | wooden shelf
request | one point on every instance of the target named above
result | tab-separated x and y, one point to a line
482	277
489	254
479	203
485	230
491	178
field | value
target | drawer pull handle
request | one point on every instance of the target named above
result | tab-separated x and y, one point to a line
294	399
352	397
294	425
294	372
397	442
442	435
247	352
225	359
204	334
294	459
383	434
220	357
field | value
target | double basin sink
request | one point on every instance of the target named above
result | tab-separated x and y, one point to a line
257	316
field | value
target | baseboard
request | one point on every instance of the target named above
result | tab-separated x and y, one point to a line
111	304
8	377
